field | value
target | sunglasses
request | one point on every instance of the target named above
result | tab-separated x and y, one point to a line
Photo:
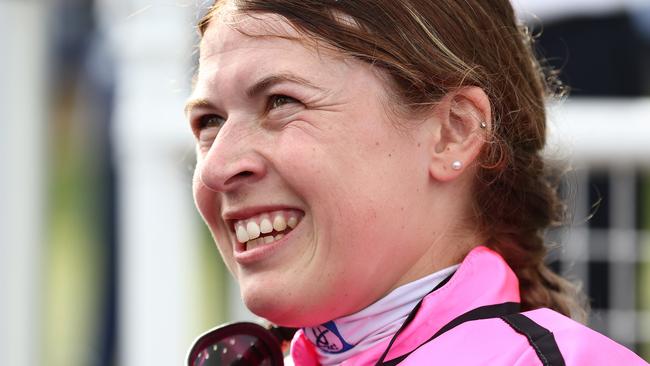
240	344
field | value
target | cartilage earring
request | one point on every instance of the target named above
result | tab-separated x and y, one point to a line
457	165
483	125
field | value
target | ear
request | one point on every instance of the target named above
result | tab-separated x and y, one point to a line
464	120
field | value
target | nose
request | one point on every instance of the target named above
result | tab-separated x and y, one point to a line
231	162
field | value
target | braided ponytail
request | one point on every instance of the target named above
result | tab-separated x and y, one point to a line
517	193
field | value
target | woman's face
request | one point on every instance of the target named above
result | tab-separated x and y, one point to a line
289	135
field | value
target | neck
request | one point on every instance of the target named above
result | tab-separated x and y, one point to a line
342	338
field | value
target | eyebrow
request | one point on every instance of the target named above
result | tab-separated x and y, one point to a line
197	103
256	89
267	82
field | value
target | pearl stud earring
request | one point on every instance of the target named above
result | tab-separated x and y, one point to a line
457	165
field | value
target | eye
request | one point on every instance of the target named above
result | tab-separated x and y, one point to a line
210	121
277	101
206	129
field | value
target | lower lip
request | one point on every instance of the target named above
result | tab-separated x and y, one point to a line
247	257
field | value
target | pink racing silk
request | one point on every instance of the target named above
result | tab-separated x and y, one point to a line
482	279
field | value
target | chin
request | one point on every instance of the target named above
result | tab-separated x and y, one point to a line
275	308
283	307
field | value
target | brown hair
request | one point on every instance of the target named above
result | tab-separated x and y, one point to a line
431	47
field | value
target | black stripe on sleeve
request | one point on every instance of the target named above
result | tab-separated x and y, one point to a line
540	338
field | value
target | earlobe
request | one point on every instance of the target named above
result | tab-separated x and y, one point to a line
464	120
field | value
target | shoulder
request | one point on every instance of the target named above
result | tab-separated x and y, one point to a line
497	343
581	345
479	342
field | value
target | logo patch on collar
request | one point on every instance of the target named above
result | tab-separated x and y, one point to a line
327	338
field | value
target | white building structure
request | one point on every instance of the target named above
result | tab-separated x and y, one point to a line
22	177
158	291
549	10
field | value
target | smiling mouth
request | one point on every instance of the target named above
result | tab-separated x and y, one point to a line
265	228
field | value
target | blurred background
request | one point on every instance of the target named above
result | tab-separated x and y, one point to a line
103	259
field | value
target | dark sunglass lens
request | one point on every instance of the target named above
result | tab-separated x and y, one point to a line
239	350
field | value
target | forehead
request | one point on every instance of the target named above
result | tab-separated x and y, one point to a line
243	44
230	30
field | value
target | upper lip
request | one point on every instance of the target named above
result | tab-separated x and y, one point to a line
230	215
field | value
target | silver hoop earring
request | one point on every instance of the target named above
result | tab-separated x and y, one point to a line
457	165
483	125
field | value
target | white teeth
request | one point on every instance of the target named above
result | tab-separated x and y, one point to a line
266	226
279	224
256	231
253	230
242	234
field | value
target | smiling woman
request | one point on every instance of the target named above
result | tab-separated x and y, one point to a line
290	147
371	174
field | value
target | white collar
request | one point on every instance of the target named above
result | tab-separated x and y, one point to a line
342	338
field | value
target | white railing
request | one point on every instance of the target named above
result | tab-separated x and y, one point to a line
601	132
611	137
